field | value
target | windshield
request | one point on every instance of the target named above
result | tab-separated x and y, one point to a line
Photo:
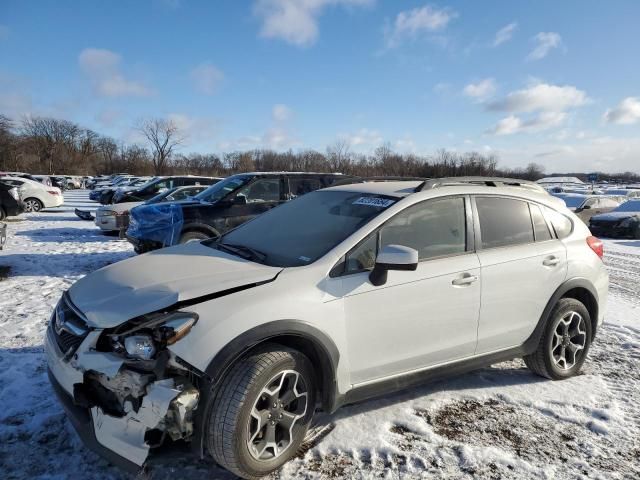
629	206
221	189
573	202
301	231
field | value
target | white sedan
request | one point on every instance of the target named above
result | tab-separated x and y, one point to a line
35	195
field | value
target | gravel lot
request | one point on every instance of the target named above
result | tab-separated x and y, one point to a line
499	422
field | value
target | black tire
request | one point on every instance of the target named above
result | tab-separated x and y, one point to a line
636	232
542	360
36	205
193	236
3	215
230	421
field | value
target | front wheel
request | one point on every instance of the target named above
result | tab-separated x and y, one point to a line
261	413
565	342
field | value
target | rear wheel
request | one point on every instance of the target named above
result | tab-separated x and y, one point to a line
189	237
262	411
565	343
32	205
2	214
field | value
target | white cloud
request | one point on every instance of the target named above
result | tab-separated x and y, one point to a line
281	113
4	32
513	124
625	113
541	96
481	90
363	138
109	117
198	130
103	69
412	23
599	154
545	42
504	34
206	78
296	21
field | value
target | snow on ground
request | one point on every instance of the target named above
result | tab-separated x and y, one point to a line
498	422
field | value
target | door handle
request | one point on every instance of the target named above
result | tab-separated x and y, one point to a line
551	261
464	280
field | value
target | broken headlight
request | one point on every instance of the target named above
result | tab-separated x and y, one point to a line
145	339
140	346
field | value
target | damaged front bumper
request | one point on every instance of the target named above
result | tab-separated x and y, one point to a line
119	412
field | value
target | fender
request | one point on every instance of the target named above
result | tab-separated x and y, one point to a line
530	345
326	350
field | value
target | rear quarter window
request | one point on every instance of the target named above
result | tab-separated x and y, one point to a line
561	224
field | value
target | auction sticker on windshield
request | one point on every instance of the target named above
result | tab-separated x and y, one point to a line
374	202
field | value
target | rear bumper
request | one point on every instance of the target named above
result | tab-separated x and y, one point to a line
82	422
14	210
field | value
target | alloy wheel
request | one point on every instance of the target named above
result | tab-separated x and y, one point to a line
282	402
32	205
569	340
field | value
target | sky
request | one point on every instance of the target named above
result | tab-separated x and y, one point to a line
556	83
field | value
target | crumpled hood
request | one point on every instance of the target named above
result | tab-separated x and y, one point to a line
614	216
157	280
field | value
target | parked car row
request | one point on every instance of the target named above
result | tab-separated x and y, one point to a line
115	215
608	215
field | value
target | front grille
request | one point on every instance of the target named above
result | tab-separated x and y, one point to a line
68	327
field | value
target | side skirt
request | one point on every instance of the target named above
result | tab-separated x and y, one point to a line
373	390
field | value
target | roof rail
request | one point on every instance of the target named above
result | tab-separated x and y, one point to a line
394	178
487	181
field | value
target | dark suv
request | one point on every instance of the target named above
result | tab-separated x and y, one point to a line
220	208
10	202
153	188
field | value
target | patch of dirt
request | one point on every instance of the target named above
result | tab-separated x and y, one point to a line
531	434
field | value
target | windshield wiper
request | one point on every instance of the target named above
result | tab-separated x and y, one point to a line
243	251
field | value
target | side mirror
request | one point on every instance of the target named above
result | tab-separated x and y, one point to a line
240	200
393	257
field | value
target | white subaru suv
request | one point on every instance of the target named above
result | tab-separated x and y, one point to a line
340	295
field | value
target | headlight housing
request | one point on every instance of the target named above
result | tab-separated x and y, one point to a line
144	340
140	346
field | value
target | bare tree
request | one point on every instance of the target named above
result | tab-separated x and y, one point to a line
163	136
50	136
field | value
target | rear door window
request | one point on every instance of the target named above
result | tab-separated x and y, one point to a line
261	191
504	222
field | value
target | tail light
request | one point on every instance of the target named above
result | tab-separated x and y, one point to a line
596	245
53	192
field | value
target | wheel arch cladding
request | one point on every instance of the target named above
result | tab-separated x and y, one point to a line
578	288
309	340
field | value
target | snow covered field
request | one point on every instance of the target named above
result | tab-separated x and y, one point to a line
499	422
